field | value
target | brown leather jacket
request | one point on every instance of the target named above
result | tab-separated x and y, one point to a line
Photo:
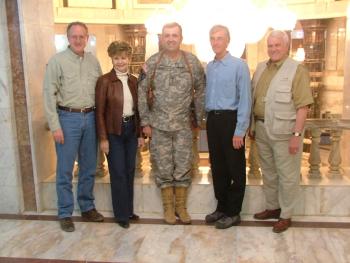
109	104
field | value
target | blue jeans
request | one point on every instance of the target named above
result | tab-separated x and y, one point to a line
121	164
79	140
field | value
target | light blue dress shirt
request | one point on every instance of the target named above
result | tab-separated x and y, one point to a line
228	88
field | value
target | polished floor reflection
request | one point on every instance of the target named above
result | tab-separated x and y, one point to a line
26	239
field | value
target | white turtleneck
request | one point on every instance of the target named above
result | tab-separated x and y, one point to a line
127	100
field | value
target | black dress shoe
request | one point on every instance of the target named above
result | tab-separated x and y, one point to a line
228	221
134	217
213	217
124	224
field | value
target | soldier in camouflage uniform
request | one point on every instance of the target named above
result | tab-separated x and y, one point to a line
176	78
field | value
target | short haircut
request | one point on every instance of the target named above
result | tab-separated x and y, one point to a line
216	28
119	47
280	34
77	23
173	24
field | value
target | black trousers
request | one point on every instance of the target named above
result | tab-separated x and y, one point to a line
121	164
228	165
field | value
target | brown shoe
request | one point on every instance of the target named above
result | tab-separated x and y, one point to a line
92	216
67	224
268	214
282	225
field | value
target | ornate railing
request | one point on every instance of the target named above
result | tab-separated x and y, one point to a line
315	127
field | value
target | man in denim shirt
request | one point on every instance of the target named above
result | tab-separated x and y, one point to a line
228	105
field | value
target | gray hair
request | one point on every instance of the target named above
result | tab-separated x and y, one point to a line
281	35
77	23
173	24
216	28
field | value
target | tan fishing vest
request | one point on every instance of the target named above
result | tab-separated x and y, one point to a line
280	112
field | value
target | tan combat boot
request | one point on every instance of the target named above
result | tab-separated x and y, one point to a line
168	205
180	205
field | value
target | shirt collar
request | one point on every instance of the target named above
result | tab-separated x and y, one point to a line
224	60
72	54
277	64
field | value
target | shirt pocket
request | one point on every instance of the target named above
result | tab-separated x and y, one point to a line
91	81
69	79
283	95
283	122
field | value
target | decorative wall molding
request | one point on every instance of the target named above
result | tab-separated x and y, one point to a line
138	11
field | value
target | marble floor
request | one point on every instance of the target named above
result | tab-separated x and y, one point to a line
321	232
39	239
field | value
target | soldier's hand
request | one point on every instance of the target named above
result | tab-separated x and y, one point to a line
104	146
147	130
58	136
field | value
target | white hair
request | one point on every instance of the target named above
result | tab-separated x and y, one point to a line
280	34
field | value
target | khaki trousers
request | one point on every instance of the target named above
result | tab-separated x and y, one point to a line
281	172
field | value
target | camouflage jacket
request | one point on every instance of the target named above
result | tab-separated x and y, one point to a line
172	90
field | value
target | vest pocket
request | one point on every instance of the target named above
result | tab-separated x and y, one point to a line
283	96
283	122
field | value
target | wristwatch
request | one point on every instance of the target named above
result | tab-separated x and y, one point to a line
296	134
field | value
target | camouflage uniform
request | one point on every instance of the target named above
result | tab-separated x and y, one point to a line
171	144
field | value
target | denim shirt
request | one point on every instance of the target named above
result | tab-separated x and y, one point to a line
228	88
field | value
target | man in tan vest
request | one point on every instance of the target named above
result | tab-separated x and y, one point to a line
281	97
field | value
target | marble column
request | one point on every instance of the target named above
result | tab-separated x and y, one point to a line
20	106
10	189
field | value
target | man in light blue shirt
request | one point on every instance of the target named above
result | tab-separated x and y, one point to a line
228	106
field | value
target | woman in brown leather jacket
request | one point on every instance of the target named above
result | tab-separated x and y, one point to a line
118	128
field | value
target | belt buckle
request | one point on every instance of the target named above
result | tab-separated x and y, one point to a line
126	118
216	112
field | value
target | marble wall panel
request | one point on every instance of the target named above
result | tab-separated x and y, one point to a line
254	200
335	201
201	199
39	12
138	201
8	176
10	199
5	96
103	197
6	139
4	51
152	199
308	202
8	158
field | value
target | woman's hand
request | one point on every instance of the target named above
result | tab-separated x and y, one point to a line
147	130
140	142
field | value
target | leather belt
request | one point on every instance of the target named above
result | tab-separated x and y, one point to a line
259	119
84	110
217	112
128	118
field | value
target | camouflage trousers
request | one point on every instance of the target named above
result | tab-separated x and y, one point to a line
172	156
